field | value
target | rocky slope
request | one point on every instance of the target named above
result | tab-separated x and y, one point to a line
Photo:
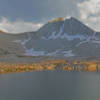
58	38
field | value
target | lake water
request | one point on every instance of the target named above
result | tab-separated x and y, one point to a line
50	86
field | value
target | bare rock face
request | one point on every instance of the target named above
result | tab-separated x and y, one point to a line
58	38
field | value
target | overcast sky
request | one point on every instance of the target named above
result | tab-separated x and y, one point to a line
28	15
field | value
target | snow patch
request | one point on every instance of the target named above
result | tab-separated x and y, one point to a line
17	41
53	36
94	36
64	36
68	53
72	37
68	17
53	53
44	38
58	52
23	42
81	43
98	42
32	52
87	41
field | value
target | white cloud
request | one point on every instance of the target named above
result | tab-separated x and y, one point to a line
18	26
68	17
89	11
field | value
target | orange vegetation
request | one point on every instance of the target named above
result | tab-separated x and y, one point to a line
2	31
51	65
57	19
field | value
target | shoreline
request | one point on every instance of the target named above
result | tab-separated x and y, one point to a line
50	65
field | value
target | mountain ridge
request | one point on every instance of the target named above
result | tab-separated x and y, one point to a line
61	38
57	20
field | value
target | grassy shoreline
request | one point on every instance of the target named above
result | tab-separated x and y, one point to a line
81	66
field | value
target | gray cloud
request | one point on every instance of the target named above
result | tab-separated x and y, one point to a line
89	12
35	12
18	26
38	10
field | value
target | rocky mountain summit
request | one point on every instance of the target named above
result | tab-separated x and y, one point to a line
58	38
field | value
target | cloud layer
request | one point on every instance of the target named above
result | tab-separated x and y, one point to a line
18	26
89	12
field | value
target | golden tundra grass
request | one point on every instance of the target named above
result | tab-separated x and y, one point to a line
83	66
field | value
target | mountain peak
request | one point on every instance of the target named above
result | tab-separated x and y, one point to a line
61	19
72	19
69	26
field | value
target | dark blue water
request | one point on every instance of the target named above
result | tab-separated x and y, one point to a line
50	86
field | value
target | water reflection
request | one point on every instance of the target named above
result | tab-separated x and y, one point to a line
50	86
